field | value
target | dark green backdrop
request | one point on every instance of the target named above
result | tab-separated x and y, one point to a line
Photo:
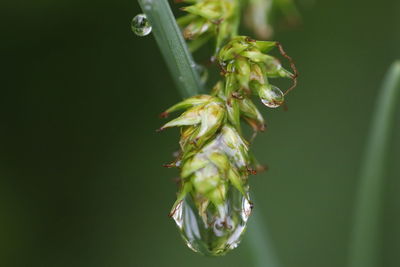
81	182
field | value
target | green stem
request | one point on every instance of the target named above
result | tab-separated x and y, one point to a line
172	45
364	245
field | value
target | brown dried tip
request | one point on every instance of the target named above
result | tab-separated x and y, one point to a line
262	168
177	180
237	95
250	40
285	107
164	115
160	129
169	165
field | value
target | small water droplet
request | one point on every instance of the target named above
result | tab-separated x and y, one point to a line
140	25
272	96
214	231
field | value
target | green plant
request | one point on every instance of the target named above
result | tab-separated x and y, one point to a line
211	128
213	202
365	239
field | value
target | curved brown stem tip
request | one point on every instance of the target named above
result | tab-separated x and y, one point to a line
174	210
292	66
285	106
169	165
160	129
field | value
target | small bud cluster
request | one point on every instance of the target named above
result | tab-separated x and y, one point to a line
208	19
247	69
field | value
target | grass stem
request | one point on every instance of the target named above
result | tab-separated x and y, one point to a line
365	239
172	45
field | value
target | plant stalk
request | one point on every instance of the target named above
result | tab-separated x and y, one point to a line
173	47
366	235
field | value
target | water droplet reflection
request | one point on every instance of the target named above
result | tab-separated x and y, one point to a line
215	230
140	25
272	97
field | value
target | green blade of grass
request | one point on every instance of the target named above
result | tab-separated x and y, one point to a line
257	239
172	46
364	243
181	65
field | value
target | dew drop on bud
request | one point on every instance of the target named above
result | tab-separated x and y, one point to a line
272	96
140	25
213	231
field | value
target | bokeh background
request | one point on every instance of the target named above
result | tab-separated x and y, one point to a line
81	182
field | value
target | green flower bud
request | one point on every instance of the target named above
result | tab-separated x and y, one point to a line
265	46
196	28
243	71
190	117
235	147
254	55
187	103
233	49
215	17
233	112
212	116
206	10
273	68
252	115
257	74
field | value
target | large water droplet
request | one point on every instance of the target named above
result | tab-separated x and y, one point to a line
210	230
140	25
272	96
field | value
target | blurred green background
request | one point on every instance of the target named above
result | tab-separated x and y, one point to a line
81	178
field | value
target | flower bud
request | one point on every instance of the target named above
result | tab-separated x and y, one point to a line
243	72
257	74
212	116
233	112
252	115
208	11
209	18
273	68
254	55
195	29
189	102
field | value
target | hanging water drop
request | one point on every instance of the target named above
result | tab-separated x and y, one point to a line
211	230
140	25
271	96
